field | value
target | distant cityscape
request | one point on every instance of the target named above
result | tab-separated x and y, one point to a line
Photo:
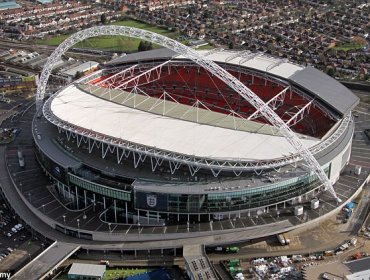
332	35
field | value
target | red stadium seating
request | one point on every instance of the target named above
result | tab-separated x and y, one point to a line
188	84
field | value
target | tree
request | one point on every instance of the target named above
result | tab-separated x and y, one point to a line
103	19
149	46
145	46
78	75
141	46
330	71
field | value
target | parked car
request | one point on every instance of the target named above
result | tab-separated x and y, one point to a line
325	276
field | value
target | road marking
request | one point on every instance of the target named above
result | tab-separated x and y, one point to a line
242	222
347	187
361	158
92	218
128	229
364	151
114	227
100	225
360	145
360	148
359	140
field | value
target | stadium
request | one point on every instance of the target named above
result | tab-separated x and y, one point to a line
154	140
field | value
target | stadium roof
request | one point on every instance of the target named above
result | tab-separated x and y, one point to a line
317	83
55	151
167	107
327	89
166	133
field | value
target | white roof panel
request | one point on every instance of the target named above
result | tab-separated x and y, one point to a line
84	269
166	133
86	66
257	61
285	69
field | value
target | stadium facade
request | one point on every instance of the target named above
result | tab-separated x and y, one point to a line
154	139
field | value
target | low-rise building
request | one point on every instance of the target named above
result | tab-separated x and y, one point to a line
86	271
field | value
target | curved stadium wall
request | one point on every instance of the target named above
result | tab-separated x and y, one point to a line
136	182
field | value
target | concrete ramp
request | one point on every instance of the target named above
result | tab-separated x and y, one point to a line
197	264
46	262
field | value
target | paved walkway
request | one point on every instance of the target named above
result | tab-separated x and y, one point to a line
51	258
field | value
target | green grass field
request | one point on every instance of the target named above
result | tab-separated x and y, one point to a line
348	46
111	274
112	43
206	47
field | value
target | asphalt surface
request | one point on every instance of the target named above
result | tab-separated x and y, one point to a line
46	261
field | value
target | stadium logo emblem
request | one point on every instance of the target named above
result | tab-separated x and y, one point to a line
151	200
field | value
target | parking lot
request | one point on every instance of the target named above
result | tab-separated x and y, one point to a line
23	244
12	240
361	144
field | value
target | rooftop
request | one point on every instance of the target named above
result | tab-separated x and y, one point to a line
94	270
86	66
167	133
9	5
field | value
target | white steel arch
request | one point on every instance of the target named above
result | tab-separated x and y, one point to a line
203	61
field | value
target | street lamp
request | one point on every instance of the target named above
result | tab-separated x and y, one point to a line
78	227
64	220
110	230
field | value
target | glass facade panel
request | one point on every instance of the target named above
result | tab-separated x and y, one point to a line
239	199
100	189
